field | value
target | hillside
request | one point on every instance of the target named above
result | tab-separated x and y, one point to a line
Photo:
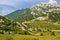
7	25
21	15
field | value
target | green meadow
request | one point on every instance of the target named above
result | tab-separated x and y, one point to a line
43	36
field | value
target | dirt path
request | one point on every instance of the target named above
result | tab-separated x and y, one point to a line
21	26
24	25
33	20
56	30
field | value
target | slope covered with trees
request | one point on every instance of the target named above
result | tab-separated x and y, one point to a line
21	15
7	25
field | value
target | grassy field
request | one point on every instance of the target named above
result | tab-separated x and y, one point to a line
43	25
30	37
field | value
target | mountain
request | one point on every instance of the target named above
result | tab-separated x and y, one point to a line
42	11
21	15
49	11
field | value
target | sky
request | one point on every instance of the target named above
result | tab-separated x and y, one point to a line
8	6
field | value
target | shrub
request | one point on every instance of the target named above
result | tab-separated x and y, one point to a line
1	32
41	34
40	30
26	33
9	32
53	33
49	30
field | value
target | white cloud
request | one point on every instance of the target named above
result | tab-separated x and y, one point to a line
52	1
10	2
16	3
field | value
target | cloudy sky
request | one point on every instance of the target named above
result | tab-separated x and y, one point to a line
8	6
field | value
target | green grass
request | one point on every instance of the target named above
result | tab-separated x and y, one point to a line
46	36
29	37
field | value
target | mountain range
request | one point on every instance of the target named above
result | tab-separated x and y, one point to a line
40	11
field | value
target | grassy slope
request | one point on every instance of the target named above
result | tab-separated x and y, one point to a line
29	37
43	25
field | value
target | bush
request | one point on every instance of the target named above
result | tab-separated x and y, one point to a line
53	33
41	34
40	30
26	33
1	32
49	30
